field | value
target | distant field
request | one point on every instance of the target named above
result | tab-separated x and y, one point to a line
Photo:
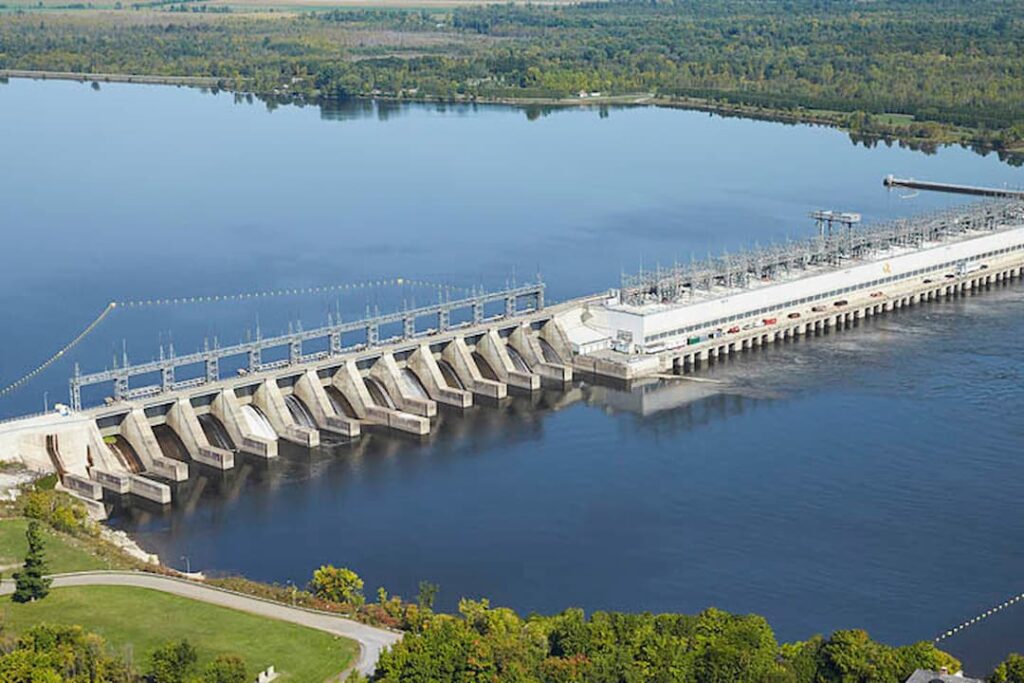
246	6
134	621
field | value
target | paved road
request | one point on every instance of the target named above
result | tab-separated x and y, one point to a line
371	640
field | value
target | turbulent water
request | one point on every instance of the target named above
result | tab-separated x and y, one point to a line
299	412
257	422
869	478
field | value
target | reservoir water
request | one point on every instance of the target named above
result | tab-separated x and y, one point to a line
866	479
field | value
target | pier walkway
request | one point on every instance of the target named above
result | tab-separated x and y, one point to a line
910	183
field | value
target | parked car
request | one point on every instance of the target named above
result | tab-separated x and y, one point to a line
841	302
734	329
875	295
770	321
793	316
819	309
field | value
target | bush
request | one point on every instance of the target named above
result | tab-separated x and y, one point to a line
225	669
173	663
338	584
58	510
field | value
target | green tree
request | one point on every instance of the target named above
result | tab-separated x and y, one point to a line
31	582
225	669
427	595
173	663
1010	671
48	653
338	584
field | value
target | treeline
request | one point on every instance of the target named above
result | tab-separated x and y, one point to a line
47	653
496	645
958	64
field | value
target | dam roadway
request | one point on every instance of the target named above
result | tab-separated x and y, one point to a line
391	372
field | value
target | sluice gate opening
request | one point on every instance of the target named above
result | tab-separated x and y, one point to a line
215	432
258	422
550	355
518	361
451	378
53	450
341	405
125	453
486	371
378	393
170	443
299	411
412	384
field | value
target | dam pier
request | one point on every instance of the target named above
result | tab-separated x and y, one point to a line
139	428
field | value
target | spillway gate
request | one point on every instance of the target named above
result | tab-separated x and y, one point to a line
515	300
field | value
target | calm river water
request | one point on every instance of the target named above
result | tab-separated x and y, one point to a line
870	478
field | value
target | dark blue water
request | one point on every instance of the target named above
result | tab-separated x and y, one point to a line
870	478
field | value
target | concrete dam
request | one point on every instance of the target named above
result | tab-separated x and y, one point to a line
137	429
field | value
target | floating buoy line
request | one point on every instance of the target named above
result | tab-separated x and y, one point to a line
441	289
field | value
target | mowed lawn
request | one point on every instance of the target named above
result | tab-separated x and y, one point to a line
135	621
63	553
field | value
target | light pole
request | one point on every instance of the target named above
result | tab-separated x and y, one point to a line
46	401
188	564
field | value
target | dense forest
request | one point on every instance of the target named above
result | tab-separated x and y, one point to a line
485	644
940	70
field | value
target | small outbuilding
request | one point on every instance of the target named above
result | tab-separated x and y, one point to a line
929	676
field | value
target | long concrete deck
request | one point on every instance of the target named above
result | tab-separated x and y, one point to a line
121	447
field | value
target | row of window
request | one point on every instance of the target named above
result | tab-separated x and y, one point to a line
713	324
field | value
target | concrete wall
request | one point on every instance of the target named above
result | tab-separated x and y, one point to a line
491	347
270	400
182	419
458	354
387	372
227	408
310	391
423	363
349	382
136	429
527	343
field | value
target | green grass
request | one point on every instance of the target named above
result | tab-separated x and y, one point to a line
63	553
136	621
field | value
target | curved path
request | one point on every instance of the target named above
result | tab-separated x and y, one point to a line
371	639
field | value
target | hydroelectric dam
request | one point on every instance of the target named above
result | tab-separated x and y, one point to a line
148	426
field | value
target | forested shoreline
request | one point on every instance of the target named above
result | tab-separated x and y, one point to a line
941	72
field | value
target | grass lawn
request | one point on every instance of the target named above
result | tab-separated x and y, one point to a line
135	621
63	553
